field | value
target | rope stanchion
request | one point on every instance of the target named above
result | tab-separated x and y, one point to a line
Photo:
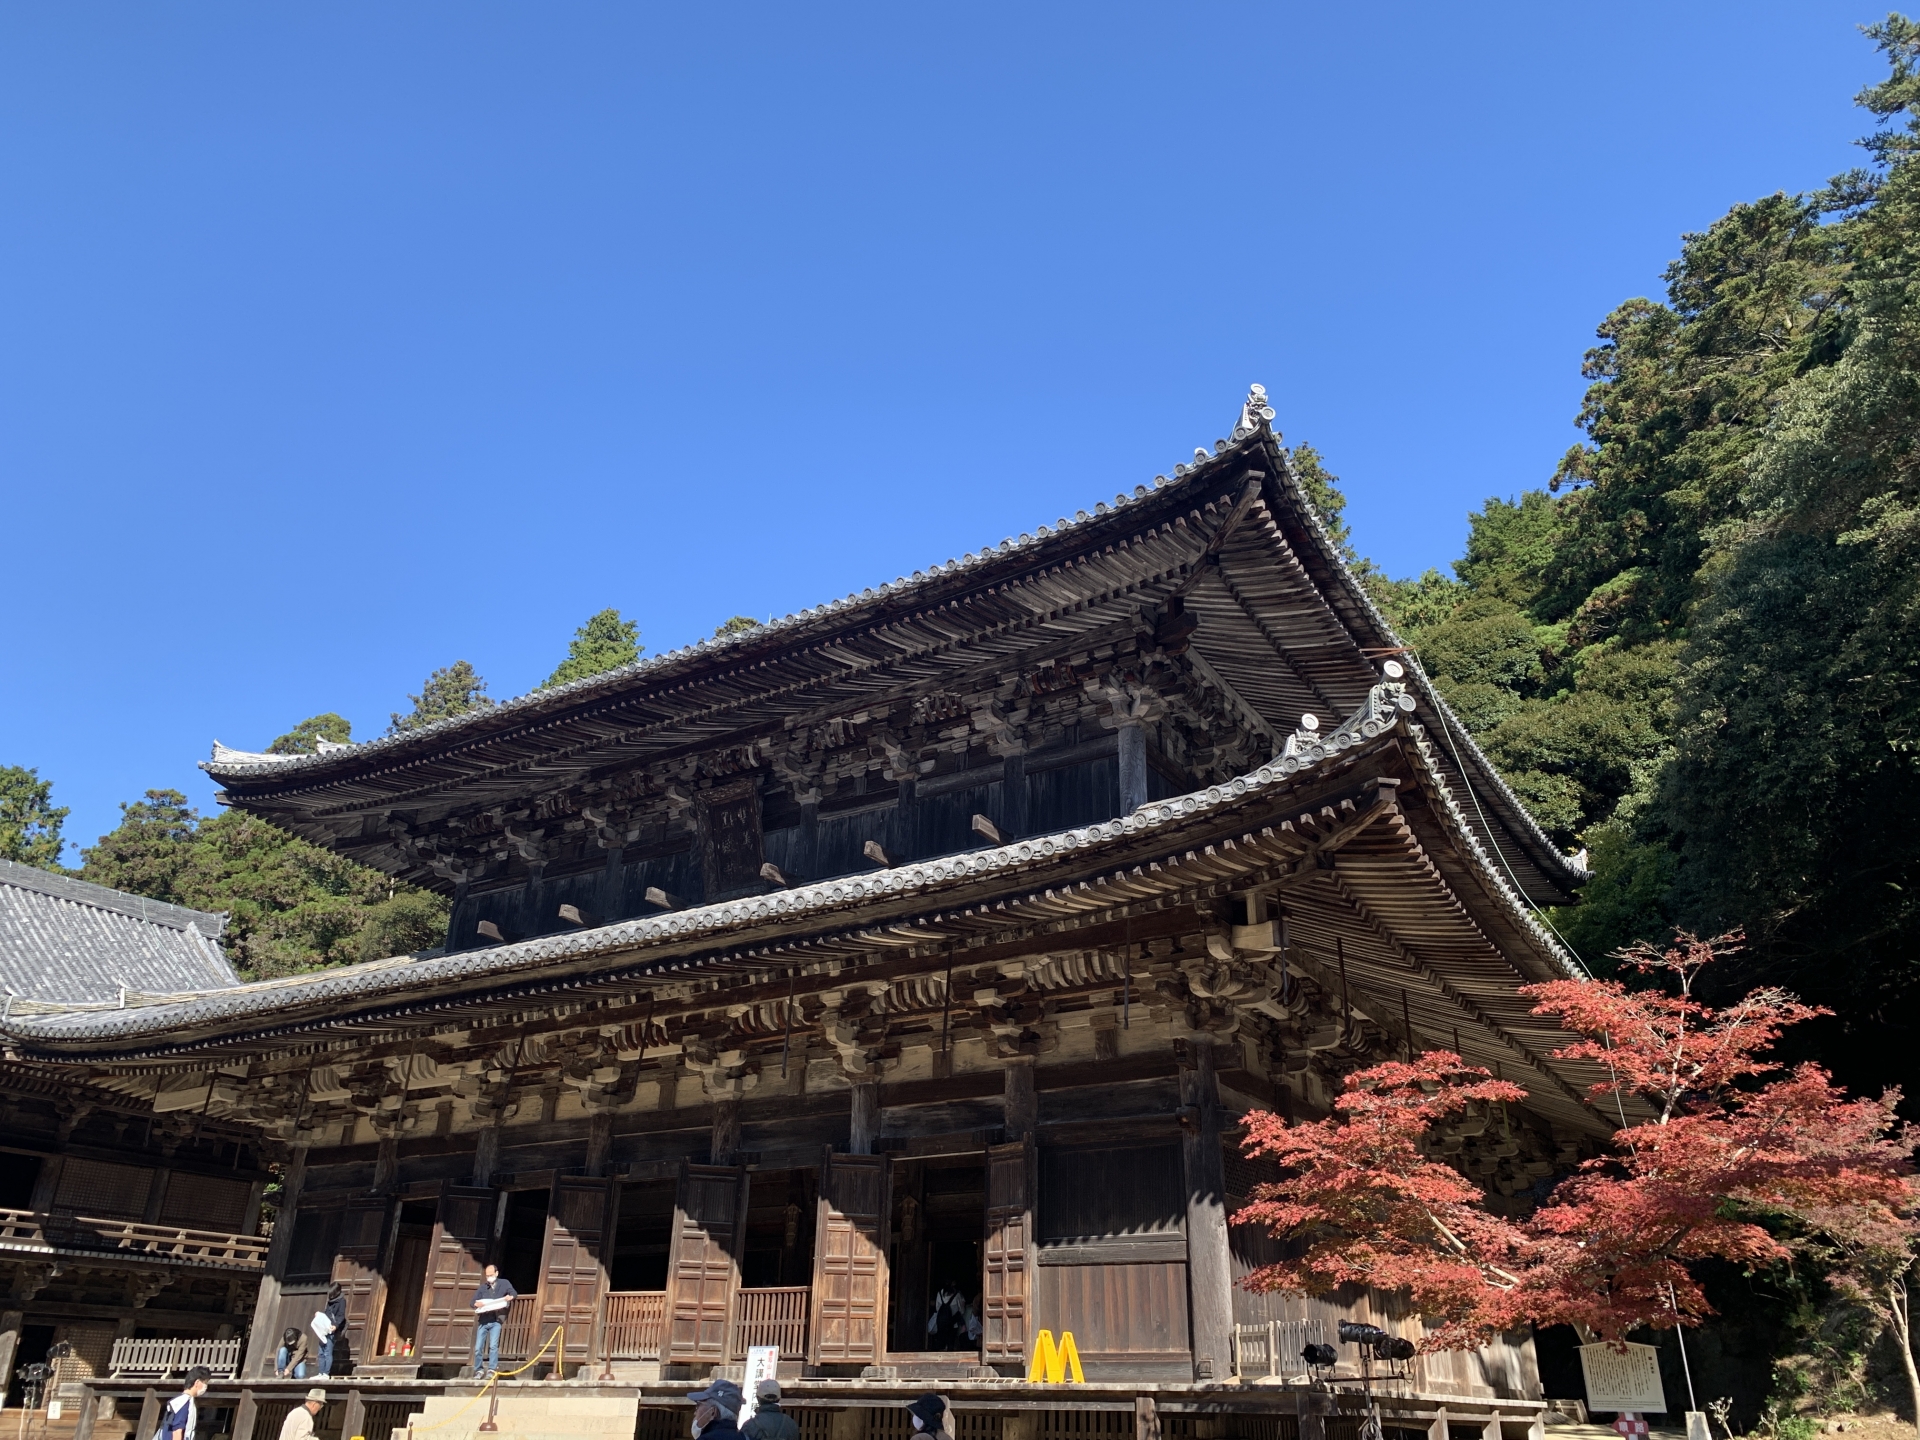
487	1389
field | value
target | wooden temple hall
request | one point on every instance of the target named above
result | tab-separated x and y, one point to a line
885	984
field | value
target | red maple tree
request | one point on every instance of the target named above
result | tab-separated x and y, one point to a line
1714	1141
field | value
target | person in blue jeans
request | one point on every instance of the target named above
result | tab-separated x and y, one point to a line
490	1304
295	1360
336	1312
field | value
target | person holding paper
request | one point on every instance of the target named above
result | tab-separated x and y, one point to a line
490	1304
327	1325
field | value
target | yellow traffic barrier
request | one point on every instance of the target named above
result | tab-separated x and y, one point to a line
1052	1364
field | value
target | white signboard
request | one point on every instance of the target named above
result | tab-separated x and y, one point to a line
763	1363
1623	1378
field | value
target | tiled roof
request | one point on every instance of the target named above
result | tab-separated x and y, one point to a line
358	985
71	942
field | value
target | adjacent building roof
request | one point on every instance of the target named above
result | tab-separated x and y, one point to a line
65	941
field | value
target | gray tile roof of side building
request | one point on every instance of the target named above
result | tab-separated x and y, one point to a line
72	942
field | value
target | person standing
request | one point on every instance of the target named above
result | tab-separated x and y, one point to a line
182	1415
716	1410
335	1316
300	1420
769	1421
490	1304
929	1414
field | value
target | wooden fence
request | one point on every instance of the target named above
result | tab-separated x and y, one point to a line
159	1359
636	1320
162	1242
774	1316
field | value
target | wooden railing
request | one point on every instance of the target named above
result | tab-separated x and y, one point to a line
635	1324
518	1326
774	1316
161	1242
157	1359
1273	1348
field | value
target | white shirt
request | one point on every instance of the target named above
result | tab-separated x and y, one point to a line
298	1425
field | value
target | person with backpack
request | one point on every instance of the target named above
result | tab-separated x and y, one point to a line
769	1421
182	1415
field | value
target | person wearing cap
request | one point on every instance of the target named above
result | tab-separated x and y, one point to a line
769	1421
299	1422
295	1360
929	1414
716	1411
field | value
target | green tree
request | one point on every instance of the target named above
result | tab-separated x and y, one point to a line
29	820
305	738
447	692
291	906
605	642
737	625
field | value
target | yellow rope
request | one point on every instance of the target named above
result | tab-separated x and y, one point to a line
558	1330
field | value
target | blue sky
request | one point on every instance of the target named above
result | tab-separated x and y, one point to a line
340	342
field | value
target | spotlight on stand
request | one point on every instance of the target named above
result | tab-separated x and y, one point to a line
1320	1357
1354	1333
1394	1347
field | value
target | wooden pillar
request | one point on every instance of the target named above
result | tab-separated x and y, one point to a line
726	1132
611	886
156	1196
847	1423
1491	1430
600	1142
864	1132
386	1164
1146	1419
1209	1263
1022	1099
263	1336
486	1156
1014	780
353	1416
89	1412
1438	1429
149	1413
1315	1406
1021	1424
243	1414
10	1323
47	1183
1133	768
456	917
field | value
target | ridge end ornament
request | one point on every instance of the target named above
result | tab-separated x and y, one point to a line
1254	413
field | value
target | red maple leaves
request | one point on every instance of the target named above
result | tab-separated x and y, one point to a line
1713	1140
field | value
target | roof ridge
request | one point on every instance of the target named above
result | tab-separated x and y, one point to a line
1255	418
211	924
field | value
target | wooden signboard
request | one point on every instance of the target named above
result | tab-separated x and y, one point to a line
850	1261
573	1272
1006	1289
1623	1379
703	1263
462	1236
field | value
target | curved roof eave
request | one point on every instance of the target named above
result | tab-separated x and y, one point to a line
276	1003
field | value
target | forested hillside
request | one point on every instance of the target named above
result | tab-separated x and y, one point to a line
1692	652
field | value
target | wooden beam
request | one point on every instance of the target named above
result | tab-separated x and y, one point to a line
874	853
987	830
1209	1262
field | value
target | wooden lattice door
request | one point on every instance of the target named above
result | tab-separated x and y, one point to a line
573	1273
462	1236
703	1265
850	1261
1006	1282
356	1270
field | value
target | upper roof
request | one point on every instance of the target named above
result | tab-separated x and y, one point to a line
65	941
1285	629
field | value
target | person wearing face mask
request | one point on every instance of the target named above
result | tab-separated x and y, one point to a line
716	1411
929	1414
